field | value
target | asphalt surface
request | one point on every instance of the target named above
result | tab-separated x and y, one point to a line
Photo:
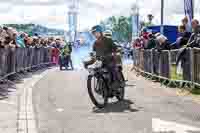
62	105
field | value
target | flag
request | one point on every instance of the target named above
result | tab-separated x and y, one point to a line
188	7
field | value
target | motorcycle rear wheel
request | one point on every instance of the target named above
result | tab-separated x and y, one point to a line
121	94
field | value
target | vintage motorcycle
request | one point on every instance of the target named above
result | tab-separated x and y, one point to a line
99	82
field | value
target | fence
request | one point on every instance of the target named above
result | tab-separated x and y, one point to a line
13	60
163	64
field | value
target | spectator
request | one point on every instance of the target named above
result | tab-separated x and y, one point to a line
151	42
1	44
195	26
144	37
19	41
7	41
29	42
186	24
182	39
9	37
55	52
137	44
194	40
163	43
58	43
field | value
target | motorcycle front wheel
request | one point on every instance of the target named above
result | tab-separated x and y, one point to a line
97	91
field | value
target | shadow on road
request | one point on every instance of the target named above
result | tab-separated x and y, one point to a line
165	132
130	85
193	131
175	132
69	69
123	106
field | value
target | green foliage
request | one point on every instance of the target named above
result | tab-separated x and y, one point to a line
195	91
121	27
32	28
21	27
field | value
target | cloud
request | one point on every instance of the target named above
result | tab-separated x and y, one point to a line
36	2
53	13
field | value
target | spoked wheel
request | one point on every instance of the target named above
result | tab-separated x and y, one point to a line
121	91
97	91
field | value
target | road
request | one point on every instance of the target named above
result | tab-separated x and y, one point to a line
62	105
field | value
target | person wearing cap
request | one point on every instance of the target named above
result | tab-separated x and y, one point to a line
108	34
118	53
105	47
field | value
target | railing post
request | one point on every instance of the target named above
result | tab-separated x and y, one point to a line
160	63
152	71
192	64
170	64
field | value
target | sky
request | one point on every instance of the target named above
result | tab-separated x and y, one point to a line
53	13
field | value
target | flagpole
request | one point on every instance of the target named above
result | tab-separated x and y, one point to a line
192	9
162	17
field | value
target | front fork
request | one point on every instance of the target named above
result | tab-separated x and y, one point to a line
108	80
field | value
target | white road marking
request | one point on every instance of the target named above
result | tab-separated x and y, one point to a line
8	102
59	109
26	118
159	125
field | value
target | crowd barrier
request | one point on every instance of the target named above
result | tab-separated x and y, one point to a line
163	64
14	60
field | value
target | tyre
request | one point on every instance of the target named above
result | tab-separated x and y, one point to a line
92	84
121	93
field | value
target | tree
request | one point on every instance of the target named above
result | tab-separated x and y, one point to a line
121	27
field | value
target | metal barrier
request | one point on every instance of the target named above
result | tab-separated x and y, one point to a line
14	60
196	64
147	61
4	61
156	63
163	64
175	71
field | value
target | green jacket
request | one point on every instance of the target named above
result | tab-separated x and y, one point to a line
104	47
65	51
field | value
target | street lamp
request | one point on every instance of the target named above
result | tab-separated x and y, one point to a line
135	20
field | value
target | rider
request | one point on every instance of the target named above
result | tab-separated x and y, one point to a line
118	52
105	47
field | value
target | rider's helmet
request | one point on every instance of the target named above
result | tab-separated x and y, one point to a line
108	34
97	28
